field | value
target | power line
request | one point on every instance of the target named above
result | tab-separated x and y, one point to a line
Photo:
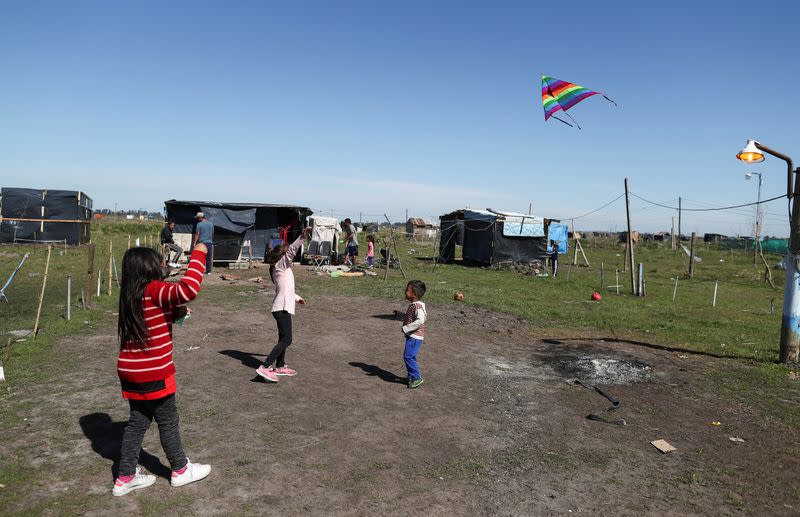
707	209
595	210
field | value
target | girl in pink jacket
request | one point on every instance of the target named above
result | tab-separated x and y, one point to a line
283	305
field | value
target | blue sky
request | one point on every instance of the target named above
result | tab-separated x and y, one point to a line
359	107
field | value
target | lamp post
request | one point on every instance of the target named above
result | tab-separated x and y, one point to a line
757	229
790	333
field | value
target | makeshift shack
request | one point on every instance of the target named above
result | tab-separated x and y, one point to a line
419	229
241	230
38	215
490	237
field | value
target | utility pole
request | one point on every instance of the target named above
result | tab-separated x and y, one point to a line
530	208
406	214
679	219
630	236
757	228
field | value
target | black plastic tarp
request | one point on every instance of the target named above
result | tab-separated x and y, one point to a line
40	215
517	249
237	221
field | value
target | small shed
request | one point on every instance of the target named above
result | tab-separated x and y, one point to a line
419	229
43	215
491	237
241	230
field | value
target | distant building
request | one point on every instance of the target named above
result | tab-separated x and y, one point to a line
418	228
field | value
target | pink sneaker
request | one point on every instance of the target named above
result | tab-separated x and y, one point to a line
285	370
267	374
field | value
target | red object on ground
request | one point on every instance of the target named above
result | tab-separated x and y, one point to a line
596	296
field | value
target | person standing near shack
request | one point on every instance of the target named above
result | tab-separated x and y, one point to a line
204	233
350	243
168	241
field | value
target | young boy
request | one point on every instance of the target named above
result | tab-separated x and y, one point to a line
554	257
414	330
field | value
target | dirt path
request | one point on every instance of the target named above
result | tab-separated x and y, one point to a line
495	429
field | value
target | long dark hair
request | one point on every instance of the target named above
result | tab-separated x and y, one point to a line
273	256
140	266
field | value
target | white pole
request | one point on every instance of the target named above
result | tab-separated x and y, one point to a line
675	291
69	297
714	301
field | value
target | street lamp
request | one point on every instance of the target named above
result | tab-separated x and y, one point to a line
790	333
757	229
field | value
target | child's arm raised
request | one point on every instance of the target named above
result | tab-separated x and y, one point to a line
291	251
168	295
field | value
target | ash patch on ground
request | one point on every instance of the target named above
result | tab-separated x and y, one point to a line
603	370
591	364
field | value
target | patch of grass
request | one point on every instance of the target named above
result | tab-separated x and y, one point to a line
766	386
689	477
157	506
472	466
16	478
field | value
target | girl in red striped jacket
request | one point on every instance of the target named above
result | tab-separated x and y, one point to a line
147	308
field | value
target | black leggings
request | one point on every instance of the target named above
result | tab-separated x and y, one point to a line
165	412
278	354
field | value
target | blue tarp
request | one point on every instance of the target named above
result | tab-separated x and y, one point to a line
558	233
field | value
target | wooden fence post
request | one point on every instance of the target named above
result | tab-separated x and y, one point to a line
41	294
87	302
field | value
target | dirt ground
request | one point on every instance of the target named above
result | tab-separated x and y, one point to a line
497	428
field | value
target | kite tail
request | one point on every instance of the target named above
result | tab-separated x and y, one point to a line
609	100
561	120
572	119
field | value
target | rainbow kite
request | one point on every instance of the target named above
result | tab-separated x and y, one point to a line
561	95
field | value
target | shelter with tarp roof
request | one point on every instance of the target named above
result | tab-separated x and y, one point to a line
43	215
241	230
489	237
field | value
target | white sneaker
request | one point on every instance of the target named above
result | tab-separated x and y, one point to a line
139	481
194	472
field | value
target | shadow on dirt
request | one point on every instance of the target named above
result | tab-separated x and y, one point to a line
106	438
246	358
665	348
377	371
395	316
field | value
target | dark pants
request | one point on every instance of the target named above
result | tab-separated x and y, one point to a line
165	412
177	249
554	264
209	256
278	354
